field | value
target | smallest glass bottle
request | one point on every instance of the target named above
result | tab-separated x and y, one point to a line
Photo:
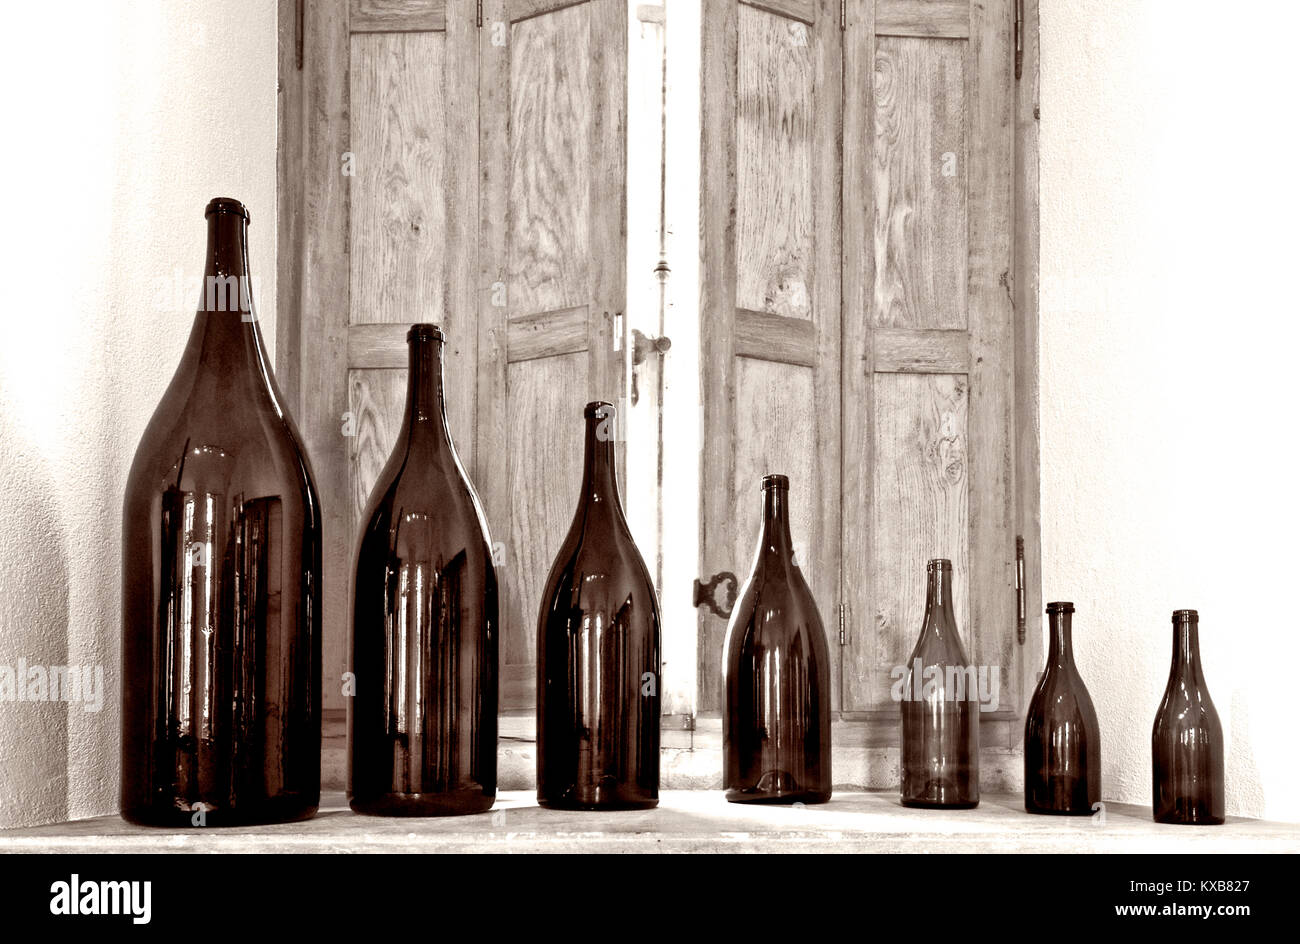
1187	739
1062	739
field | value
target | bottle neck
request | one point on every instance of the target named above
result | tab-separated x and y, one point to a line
226	320
1060	652
599	474
774	536
426	414
1187	649
938	600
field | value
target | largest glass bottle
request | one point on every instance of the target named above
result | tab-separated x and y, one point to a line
422	723
598	652
221	563
776	720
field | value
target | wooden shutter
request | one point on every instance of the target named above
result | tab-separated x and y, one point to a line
433	169
552	275
770	294
893	402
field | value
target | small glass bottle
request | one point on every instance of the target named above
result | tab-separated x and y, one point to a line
1187	739
1062	739
940	740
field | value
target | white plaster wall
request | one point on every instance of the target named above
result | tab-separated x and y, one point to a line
1170	328
122	120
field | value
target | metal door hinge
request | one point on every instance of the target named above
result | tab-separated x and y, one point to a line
1020	37
843	637
705	594
1020	590
844	14
478	13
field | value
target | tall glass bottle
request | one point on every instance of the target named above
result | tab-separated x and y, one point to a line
422	724
776	721
598	652
221	564
940	744
1062	739
1187	739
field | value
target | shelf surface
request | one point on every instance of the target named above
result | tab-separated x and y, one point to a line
685	821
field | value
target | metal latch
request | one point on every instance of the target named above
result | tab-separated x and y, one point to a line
706	594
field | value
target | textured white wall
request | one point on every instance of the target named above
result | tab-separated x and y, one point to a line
1170	201
122	120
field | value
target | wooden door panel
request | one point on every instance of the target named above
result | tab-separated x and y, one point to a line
769	291
553	265
927	232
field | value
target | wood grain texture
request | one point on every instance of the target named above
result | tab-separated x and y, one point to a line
774	153
928	18
920	183
717	320
397	217
289	186
377	402
550	135
776	338
377	346
322	259
548	334
515	11
858	425
993	505
805	11
1025	280
906	350
921	512
545	461
383	16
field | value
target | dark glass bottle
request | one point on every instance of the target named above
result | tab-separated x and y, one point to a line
422	724
1062	740
1187	739
598	651
221	563
940	743
776	720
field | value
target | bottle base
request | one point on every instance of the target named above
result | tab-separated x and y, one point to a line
939	805
806	797
1190	821
1048	811
268	813
457	803
603	805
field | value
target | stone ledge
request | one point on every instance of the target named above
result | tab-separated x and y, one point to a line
685	821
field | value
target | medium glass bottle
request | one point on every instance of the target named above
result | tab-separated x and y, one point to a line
598	652
422	723
221	564
1187	739
940	739
776	721
1062	739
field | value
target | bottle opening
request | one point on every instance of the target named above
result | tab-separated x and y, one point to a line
598	410
939	563
775	481
425	332
228	205
1061	607
1185	616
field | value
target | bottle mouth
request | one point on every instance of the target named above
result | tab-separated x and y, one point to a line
1060	607
425	332
598	410
228	205
1188	616
939	563
774	480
